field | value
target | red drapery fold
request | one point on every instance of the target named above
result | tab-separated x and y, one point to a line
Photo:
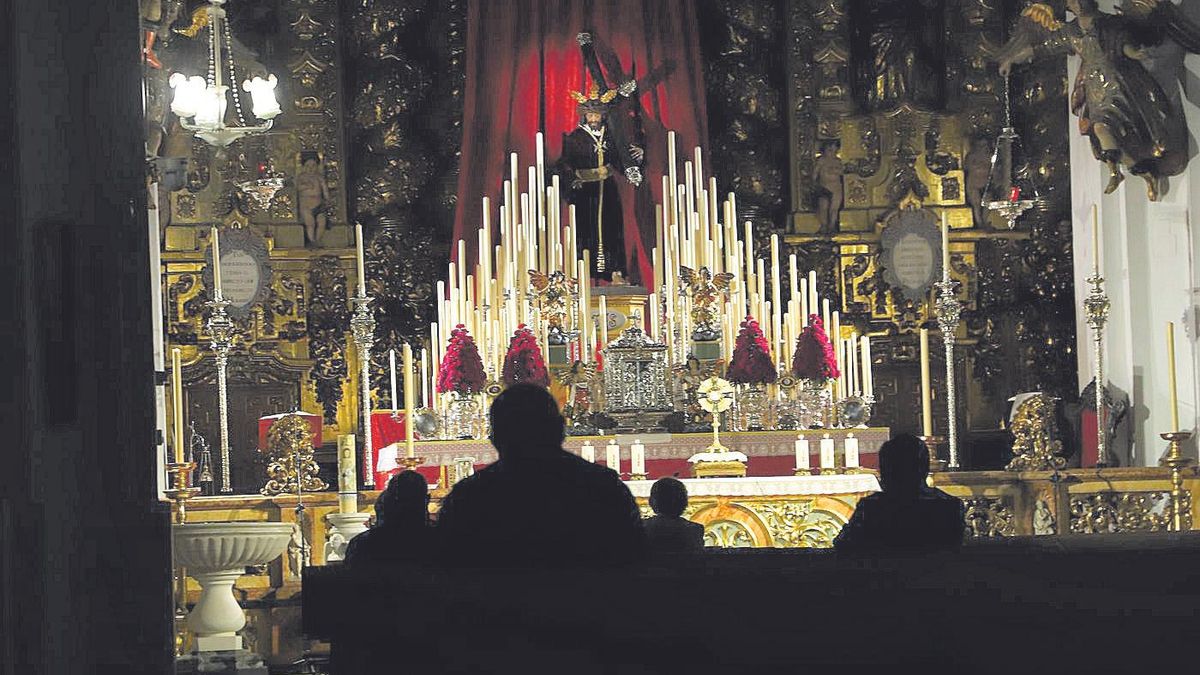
522	59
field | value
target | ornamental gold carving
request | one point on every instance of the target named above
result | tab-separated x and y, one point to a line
291	467
1109	512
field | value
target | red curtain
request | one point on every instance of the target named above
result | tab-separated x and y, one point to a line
522	59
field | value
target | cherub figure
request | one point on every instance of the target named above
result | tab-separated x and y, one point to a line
706	290
1122	109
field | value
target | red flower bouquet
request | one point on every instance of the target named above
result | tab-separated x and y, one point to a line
814	358
462	369
751	362
524	362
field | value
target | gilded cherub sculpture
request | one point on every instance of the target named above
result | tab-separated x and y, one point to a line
1123	109
706	290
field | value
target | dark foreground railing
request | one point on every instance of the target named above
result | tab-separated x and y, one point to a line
1065	604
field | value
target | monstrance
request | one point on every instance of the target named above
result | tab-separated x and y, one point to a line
715	396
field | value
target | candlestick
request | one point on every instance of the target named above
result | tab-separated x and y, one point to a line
392	371
1095	307
362	328
1171	384
410	405
222	332
612	456
949	311
216	255
802	459
359	262
177	404
1174	459
926	392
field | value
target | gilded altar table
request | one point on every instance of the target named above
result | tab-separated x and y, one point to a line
770	453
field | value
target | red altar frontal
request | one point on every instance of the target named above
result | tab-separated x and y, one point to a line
769	453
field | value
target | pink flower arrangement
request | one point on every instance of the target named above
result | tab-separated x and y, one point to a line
462	369
751	362
814	358
524	361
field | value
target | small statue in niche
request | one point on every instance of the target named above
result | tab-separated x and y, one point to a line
829	172
1043	520
298	551
1123	110
897	53
312	196
976	166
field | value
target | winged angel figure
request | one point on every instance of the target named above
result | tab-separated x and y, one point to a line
706	289
1122	108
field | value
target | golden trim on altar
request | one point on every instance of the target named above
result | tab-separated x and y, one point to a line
767	452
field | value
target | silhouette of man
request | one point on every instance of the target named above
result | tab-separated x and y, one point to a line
538	504
668	531
908	513
401	532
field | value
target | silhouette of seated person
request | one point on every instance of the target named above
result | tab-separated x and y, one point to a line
907	514
667	531
538	505
401	532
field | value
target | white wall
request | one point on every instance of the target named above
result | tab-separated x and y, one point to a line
1148	252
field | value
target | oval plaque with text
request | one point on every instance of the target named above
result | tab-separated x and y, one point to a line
910	251
245	270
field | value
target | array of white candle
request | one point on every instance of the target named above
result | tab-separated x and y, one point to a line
533	229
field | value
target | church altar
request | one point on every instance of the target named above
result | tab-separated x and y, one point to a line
769	453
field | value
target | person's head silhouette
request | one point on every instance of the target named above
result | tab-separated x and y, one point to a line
903	465
668	497
526	423
404	501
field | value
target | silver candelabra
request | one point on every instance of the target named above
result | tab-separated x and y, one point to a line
362	326
222	332
1095	306
949	312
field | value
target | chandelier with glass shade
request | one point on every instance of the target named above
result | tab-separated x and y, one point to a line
201	102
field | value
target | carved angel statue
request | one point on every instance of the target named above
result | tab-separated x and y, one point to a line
554	295
706	290
1122	108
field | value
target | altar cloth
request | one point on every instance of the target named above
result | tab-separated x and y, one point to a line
764	486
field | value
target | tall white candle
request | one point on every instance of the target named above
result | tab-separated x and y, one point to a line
410	391
216	256
851	451
1095	241
1171	376
868	377
425	377
360	264
802	460
602	318
612	456
814	302
945	247
926	392
827	452
177	404
392	372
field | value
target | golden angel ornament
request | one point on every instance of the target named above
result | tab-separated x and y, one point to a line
1131	117
707	291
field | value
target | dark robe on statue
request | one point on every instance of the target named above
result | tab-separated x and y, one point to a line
587	185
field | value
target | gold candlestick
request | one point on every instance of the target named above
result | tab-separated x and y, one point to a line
1181	518
182	491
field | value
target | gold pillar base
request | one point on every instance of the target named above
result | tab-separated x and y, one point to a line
410	463
638	476
181	490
